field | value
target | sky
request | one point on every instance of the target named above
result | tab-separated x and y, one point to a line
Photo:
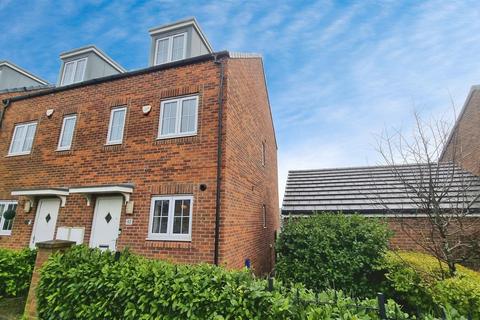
338	72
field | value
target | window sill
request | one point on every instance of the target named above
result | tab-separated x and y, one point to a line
173	136
113	143
17	154
168	239
6	234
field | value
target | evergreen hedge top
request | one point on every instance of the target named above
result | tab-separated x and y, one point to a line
89	284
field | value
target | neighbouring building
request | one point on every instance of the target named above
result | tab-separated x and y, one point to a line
463	146
176	161
384	192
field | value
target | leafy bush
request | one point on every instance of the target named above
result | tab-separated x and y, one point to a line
332	250
421	283
16	269
88	284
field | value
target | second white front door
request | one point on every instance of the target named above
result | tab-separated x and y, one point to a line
106	223
45	221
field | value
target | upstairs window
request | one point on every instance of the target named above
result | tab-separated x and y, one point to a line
6	224
66	135
22	139
178	117
171	218
116	126
171	48
74	71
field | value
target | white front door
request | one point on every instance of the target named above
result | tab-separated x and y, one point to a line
106	223
45	221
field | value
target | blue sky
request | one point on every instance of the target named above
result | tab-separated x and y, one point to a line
338	71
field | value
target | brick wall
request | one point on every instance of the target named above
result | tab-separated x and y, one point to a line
155	167
415	233
248	184
152	166
464	146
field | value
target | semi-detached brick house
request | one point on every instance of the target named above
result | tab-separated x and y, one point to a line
177	161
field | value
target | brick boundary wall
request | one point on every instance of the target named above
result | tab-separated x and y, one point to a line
45	250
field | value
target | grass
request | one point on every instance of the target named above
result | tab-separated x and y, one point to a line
12	308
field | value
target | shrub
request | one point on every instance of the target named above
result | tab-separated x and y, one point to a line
88	284
332	250
421	283
16	269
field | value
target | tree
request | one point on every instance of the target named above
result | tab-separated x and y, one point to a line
446	195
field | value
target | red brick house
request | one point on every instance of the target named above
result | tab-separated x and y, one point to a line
176	161
463	145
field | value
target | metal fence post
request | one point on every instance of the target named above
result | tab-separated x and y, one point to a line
270	284
382	312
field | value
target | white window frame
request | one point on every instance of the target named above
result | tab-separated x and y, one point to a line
75	63
109	141
26	124
170	236
2	220
170	48
64	148
178	119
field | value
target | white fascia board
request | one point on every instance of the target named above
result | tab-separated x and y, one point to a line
21	71
181	24
41	192
105	189
98	52
31	194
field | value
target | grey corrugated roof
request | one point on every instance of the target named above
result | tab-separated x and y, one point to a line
378	189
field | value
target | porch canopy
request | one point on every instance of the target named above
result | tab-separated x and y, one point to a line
61	193
124	189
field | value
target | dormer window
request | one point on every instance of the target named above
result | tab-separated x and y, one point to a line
74	71
171	48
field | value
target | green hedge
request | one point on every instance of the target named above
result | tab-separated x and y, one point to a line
417	281
89	284
16	269
332	251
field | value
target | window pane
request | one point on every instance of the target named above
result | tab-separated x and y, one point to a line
162	51
118	121
6	225
18	138
177	49
27	145
188	115
160	216
81	64
169	118
67	134
181	216
68	73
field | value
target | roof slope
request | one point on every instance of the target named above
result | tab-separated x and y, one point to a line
377	189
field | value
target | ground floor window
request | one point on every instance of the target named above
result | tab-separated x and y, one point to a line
171	218
6	222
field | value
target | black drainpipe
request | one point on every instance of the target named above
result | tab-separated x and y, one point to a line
5	103
219	161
